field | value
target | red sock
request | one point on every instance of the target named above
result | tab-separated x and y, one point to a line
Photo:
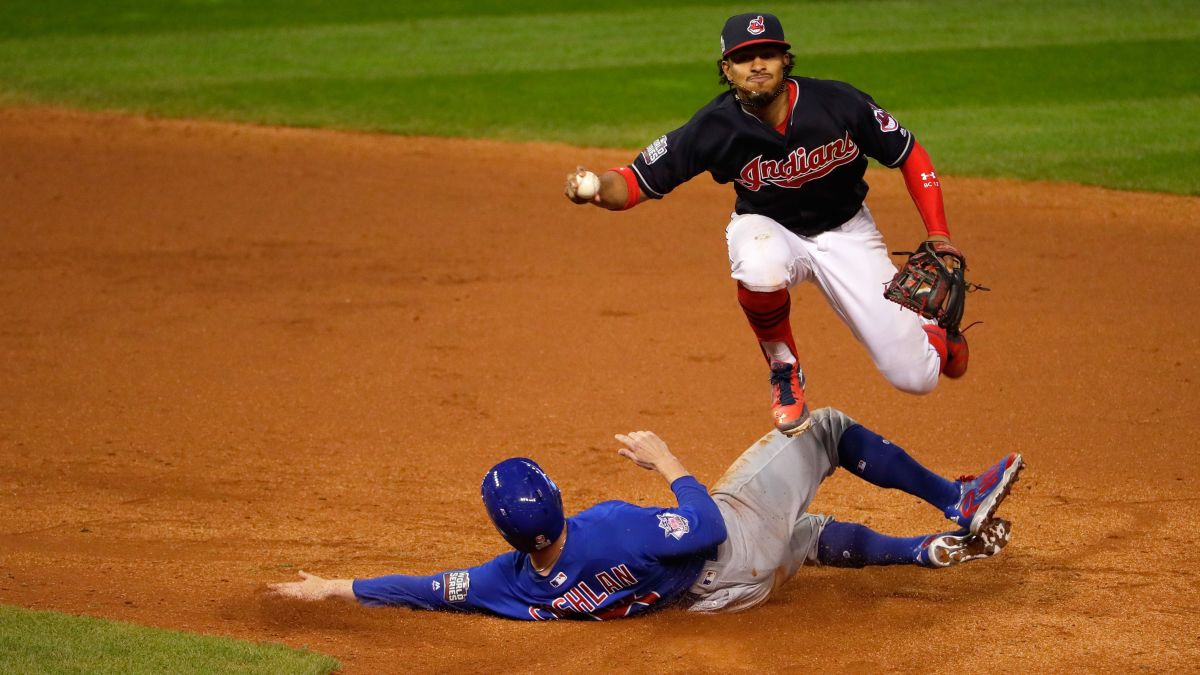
768	314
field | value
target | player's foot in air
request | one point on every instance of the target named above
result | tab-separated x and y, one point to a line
951	347
953	548
980	496
787	399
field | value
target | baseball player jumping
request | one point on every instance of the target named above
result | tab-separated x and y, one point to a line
796	150
726	551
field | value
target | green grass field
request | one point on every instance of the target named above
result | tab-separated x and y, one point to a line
1097	91
49	642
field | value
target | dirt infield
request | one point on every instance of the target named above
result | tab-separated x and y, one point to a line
231	352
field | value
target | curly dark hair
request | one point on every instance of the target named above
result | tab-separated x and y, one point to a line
787	69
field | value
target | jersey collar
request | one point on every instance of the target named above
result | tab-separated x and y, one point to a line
793	91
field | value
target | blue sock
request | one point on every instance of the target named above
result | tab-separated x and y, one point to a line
878	461
853	545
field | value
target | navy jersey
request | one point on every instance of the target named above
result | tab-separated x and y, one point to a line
808	179
619	560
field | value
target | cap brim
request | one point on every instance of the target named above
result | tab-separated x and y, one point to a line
750	43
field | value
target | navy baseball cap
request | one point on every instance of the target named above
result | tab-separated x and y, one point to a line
744	30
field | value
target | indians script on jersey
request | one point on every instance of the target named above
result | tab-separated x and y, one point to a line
809	177
799	167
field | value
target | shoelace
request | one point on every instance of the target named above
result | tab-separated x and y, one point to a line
781	376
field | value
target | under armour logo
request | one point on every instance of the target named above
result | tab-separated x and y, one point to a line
928	176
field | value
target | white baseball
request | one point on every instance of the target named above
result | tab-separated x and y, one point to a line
587	185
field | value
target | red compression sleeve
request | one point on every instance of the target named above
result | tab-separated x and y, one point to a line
631	185
925	189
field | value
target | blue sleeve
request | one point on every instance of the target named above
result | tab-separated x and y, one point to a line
402	590
483	588
695	526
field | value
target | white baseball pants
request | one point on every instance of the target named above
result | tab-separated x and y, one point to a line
850	265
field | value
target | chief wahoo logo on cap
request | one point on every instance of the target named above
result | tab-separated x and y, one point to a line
757	25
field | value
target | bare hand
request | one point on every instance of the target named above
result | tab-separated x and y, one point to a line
311	587
573	184
648	451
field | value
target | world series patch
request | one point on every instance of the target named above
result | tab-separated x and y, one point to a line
455	586
655	150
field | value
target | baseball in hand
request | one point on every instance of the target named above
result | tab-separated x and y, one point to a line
587	185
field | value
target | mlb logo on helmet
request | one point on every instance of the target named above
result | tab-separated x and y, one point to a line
744	30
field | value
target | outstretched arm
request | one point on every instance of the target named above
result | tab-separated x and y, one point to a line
312	588
448	590
618	189
926	192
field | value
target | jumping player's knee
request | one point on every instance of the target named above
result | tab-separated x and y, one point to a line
761	273
912	372
763	284
759	257
911	381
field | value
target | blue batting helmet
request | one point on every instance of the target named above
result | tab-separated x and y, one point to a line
523	503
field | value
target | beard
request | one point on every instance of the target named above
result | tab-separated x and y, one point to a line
758	99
